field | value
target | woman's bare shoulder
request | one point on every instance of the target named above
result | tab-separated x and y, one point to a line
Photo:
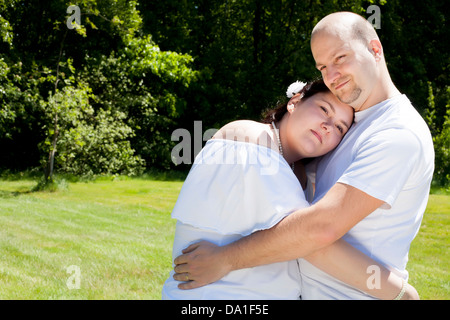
247	131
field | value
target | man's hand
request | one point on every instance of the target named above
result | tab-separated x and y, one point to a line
200	264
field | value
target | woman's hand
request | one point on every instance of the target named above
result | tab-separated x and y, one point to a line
410	293
200	264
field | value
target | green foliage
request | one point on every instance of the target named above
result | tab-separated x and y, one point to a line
441	138
145	84
58	184
6	34
90	142
103	96
151	67
17	97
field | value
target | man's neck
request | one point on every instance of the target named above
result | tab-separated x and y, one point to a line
386	90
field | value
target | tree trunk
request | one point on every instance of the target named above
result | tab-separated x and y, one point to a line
51	154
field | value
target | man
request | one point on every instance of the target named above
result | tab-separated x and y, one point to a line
372	190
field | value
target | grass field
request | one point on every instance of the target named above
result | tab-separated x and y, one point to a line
111	239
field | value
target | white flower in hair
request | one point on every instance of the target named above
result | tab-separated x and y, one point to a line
295	88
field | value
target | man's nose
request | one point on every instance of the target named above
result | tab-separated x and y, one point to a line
333	74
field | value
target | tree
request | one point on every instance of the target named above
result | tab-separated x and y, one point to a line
85	93
156	66
441	138
253	49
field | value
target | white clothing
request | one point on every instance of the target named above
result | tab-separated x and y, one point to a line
233	189
388	153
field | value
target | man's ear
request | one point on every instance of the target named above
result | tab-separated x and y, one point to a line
376	49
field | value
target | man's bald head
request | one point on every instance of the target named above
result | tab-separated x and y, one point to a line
350	57
346	25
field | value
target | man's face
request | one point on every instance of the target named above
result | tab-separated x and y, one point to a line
348	67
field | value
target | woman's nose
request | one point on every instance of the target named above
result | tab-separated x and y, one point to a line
327	126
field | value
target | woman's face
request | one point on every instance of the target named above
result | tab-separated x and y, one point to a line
317	124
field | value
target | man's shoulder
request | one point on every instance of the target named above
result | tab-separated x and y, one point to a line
396	121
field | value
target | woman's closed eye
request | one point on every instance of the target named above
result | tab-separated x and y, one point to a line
338	126
324	109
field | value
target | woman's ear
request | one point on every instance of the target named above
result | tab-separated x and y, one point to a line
291	104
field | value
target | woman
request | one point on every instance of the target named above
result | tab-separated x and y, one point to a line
243	181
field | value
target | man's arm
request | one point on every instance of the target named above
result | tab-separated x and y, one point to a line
298	235
346	263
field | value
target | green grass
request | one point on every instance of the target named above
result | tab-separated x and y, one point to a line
119	233
429	256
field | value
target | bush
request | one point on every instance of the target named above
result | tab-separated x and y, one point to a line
441	138
88	142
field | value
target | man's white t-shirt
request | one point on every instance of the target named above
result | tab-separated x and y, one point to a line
388	153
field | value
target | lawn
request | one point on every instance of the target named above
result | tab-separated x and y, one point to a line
118	234
111	239
429	256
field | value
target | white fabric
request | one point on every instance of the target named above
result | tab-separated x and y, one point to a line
234	189
388	153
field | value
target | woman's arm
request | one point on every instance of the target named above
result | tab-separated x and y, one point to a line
346	263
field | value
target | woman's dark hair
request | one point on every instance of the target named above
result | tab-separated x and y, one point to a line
310	89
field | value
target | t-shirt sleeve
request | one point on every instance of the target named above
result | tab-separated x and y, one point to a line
383	164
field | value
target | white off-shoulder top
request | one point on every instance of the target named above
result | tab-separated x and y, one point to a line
234	189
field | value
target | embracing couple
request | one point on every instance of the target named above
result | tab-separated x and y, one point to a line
372	166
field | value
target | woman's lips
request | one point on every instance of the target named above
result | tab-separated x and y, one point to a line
318	136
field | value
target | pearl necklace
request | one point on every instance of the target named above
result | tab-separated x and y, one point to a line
280	147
